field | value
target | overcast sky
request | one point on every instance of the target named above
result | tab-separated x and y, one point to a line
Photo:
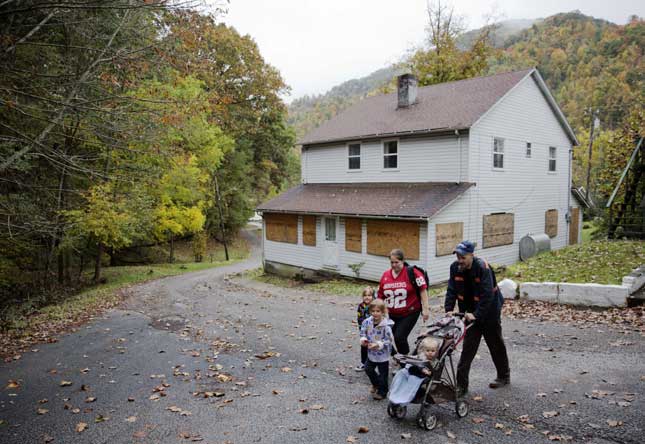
319	44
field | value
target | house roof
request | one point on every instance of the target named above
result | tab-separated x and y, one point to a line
441	107
396	200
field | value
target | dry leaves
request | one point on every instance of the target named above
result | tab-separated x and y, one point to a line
363	429
351	438
406	435
13	384
550	414
41	411
80	427
131	419
614	423
65	383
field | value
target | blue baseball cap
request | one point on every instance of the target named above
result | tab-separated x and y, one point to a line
464	247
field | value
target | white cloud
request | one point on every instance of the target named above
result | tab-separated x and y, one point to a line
319	44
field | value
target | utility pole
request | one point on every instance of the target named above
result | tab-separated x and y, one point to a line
221	216
594	122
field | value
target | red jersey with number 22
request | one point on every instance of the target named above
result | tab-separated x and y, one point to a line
399	294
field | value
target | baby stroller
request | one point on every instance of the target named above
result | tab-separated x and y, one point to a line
440	386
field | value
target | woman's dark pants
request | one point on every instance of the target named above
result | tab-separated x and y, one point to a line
401	329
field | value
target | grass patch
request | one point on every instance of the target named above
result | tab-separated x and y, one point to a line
599	261
588	230
30	322
335	286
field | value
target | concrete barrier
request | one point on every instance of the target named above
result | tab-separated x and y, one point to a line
635	280
596	295
539	291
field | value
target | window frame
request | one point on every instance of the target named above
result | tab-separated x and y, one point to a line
497	152
553	158
351	156
395	155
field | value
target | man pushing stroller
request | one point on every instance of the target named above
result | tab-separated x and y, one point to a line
473	287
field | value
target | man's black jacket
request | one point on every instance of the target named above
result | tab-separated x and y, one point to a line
486	300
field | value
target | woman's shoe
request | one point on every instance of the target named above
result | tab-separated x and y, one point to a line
360	368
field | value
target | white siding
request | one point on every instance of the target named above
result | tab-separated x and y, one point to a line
462	210
419	160
296	254
524	187
311	257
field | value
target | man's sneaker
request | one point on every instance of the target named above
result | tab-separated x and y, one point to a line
360	368
499	382
378	396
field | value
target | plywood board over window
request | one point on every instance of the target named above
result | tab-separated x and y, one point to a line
353	234
309	230
448	236
385	235
551	223
498	229
281	227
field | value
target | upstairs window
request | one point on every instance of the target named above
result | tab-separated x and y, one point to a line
498	153
552	157
390	154
528	150
354	156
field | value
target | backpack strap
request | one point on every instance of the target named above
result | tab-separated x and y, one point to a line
412	277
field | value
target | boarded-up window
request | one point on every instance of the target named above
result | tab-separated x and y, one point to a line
551	223
498	229
281	227
353	234
385	235
309	230
448	236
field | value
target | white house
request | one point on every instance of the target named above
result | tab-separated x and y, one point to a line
486	159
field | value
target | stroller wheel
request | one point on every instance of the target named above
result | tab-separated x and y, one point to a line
426	420
396	411
461	408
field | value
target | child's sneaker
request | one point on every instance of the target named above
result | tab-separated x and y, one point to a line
360	368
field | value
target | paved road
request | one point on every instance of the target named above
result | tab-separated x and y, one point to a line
196	339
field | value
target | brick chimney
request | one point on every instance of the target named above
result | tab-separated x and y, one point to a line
407	90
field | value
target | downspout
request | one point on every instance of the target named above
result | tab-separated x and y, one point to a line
569	198
460	155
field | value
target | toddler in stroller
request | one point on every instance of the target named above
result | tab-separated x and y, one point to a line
429	376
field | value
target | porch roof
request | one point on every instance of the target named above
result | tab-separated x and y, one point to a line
394	200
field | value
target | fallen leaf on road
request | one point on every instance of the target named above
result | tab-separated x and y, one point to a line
154	397
85	370
285	369
130	399
541	395
451	435
42	411
550	414
499	425
317	407
614	423
276	392
139	434
478	398
406	435
297	429
131	419
304	411
174	408
43	401
47	438
65	383
478	433
478	420
90	399
13	384
363	429
101	418
351	438
80	427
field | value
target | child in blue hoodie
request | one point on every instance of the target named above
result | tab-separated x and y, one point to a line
376	335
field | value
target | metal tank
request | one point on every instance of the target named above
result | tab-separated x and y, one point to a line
533	244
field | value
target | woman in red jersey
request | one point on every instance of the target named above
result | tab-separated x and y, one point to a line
404	303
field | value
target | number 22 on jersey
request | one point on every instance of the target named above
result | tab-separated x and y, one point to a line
396	298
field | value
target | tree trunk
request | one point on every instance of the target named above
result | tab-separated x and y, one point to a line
172	249
97	264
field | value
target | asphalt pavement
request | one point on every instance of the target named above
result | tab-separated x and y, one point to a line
211	357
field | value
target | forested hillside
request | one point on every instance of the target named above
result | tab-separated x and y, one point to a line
588	63
120	121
